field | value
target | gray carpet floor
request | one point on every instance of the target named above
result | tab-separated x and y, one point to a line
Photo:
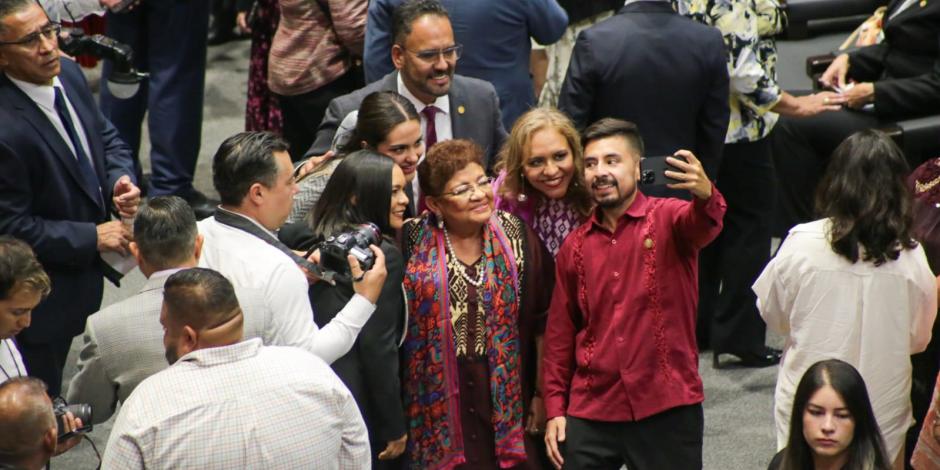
739	431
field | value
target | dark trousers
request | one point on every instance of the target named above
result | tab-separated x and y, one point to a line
169	42
671	439
728	320
801	149
303	113
46	361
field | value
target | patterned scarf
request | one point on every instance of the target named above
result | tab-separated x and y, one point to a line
554	220
432	387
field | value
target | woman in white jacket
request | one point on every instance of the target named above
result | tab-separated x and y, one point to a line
854	285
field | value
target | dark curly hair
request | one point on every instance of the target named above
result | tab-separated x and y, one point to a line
864	194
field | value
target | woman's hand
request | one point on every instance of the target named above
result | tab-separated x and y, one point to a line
394	448
241	20
834	76
535	423
859	95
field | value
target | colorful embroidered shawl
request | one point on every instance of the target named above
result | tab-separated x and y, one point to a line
432	387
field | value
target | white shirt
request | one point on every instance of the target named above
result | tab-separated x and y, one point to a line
442	124
871	317
249	262
240	406
44	97
11	363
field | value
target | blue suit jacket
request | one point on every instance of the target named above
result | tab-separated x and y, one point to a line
43	203
495	37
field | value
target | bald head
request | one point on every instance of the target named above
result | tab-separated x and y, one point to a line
200	310
27	423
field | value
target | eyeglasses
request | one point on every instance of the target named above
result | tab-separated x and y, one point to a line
450	54
50	32
467	190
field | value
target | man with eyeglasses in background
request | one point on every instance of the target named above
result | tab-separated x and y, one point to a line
64	173
451	106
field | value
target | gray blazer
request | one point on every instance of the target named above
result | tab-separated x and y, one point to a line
480	120
123	345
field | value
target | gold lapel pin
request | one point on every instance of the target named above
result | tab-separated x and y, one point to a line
648	243
461	109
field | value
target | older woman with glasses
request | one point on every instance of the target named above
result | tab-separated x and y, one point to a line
478	284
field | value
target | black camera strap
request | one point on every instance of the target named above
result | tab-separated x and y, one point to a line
233	220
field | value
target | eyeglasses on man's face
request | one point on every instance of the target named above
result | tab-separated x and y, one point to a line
430	56
50	32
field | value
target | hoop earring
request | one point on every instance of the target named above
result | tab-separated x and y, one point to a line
522	197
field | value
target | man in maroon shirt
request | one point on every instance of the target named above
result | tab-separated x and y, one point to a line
620	368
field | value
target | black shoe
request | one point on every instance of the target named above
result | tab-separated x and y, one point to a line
203	207
764	357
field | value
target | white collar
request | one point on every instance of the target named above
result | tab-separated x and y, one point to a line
42	95
442	103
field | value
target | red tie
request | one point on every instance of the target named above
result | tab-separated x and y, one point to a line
430	138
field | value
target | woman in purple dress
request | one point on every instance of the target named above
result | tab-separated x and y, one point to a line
541	176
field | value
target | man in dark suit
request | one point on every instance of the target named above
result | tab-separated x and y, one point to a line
891	81
650	66
425	55
64	170
501	56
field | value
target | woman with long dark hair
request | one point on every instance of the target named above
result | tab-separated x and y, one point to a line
854	285
368	187
387	123
833	425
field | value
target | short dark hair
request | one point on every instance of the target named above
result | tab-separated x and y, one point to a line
165	231
243	160
9	7
23	422
365	177
445	159
19	268
200	298
867	449
378	114
864	193
610	127
409	11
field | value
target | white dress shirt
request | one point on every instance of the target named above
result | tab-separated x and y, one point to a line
240	406
123	343
11	363
442	125
44	97
873	317
249	262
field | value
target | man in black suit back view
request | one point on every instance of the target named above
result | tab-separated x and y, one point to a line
663	72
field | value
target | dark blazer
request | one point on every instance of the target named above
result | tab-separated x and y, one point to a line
500	56
43	203
480	120
371	368
665	73
905	67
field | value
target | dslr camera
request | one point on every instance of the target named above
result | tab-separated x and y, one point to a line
333	251
81	411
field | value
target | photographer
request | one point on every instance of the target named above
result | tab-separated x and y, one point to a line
368	187
28	425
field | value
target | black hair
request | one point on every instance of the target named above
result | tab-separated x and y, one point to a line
242	160
379	113
19	267
9	7
405	15
864	194
200	298
359	191
867	450
165	231
610	127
